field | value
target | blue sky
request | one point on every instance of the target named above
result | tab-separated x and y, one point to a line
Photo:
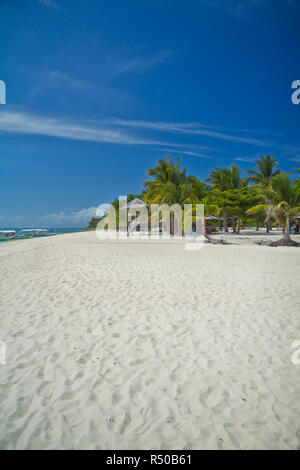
97	91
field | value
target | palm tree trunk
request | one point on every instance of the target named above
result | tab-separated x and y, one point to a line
234	224
268	219
225	220
287	235
172	223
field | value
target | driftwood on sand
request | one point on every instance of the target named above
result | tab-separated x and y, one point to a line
281	242
215	241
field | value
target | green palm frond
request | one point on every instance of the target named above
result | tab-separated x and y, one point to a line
258	208
265	170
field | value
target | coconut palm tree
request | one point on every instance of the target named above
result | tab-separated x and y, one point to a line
226	178
297	182
166	170
199	188
284	201
169	185
265	170
233	174
218	179
222	180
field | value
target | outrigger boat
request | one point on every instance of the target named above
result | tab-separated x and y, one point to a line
7	235
24	234
35	232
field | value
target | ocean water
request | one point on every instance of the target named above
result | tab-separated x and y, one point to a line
65	230
50	229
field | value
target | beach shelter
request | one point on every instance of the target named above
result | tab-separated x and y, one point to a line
137	205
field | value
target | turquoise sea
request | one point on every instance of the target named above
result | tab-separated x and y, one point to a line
51	230
65	230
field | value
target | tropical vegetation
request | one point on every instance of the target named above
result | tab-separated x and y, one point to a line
264	196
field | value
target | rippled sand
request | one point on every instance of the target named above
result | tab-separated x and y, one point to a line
123	345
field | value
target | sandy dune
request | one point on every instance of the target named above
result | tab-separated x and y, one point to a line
123	345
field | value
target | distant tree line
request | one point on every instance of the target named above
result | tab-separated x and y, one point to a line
264	196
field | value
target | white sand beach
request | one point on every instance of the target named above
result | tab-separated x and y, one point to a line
138	345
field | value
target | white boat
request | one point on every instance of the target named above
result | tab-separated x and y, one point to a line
7	235
35	232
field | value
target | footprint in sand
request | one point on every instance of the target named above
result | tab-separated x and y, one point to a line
116	398
84	359
204	397
125	423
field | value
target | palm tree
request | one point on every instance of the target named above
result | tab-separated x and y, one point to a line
218	179
166	170
297	182
169	185
265	170
226	178
218	199
222	180
284	201
233	175
198	187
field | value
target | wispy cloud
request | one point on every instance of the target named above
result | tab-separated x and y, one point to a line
143	63
62	218
295	159
191	129
191	153
79	217
13	220
25	123
56	78
247	159
51	80
50	4
235	7
240	8
116	131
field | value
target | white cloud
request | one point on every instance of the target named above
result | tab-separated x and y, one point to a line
188	152
141	64
76	217
246	159
118	131
240	8
189	128
15	220
236	7
50	3
58	79
25	123
62	218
